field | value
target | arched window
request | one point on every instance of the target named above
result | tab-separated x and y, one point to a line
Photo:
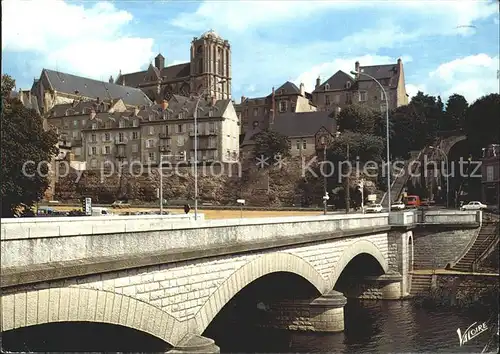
199	50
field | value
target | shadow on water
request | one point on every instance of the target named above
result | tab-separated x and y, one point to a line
370	327
80	337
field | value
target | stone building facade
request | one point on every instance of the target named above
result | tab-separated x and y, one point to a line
99	133
490	175
261	111
342	89
208	71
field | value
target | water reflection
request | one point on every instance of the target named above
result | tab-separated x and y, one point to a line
371	326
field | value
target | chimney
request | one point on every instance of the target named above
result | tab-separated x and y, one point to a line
318	82
164	104
92	114
356	68
302	90
111	81
242	99
399	61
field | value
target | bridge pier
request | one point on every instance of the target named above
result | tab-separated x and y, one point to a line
193	343
323	314
382	287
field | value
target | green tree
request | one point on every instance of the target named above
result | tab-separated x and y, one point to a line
23	141
456	109
8	84
365	147
358	118
482	123
269	143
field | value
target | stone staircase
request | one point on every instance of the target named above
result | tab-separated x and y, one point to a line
400	180
420	284
489	230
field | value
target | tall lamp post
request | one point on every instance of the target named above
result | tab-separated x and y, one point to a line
195	116
324	177
387	136
447	174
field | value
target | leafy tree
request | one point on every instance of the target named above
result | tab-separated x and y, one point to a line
268	143
8	84
482	123
456	109
366	147
23	140
358	118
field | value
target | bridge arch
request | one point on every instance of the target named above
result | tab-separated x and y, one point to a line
355	249
251	271
37	307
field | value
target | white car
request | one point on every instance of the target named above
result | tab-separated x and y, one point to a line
373	208
398	206
473	206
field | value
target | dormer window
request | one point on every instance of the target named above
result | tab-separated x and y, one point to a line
121	124
327	87
281	92
94	126
348	84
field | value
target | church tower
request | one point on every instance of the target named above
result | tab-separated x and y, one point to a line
211	66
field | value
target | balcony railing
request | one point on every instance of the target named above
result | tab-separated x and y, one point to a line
123	141
164	135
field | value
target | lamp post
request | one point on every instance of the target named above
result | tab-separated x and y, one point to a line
387	136
324	178
161	184
447	174
195	116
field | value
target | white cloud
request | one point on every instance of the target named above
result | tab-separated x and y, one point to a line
82	40
472	76
325	70
243	15
412	89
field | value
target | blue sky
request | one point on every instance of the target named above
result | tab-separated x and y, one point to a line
446	46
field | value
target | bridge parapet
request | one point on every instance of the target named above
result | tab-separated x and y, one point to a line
69	242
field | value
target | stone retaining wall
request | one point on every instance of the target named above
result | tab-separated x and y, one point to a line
436	249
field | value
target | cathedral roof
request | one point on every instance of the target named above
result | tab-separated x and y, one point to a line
172	72
89	88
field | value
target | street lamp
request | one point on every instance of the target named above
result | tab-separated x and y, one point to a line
161	183
447	174
323	141
387	135
195	116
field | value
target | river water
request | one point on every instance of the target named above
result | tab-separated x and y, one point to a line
370	327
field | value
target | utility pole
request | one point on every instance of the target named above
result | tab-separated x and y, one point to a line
347	184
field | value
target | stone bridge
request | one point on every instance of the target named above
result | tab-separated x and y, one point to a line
170	278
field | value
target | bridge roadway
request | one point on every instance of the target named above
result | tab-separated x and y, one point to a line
170	278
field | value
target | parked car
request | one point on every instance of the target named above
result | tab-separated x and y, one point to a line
474	205
120	204
412	201
373	208
398	206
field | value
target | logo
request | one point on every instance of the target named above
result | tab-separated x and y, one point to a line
472	332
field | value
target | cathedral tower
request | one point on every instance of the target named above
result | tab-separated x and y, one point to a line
211	65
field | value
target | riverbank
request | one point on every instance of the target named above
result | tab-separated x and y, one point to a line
449	289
